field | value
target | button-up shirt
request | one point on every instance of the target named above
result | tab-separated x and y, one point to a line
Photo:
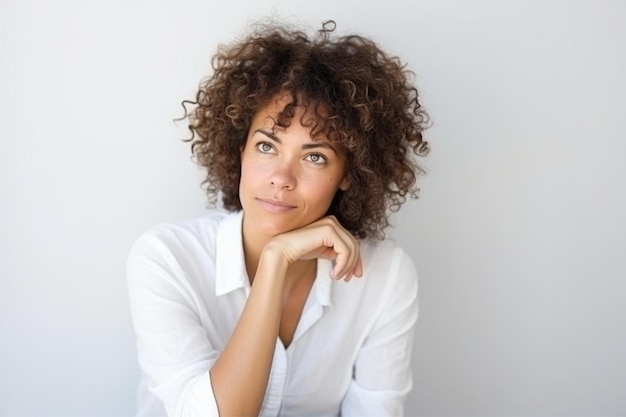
350	354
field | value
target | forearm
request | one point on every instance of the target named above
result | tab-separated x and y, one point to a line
239	376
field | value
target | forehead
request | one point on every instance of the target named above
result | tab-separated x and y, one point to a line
285	109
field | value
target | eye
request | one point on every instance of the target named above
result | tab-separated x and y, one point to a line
264	147
316	158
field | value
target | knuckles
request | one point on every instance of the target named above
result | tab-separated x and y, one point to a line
332	218
328	229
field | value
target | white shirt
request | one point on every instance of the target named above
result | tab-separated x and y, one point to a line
350	354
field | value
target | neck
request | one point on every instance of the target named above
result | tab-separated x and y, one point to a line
252	249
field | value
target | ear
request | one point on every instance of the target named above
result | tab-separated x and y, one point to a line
345	183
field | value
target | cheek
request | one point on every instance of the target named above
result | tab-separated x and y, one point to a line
324	190
247	164
246	174
253	173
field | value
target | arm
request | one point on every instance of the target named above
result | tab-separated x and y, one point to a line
173	348
186	372
239	377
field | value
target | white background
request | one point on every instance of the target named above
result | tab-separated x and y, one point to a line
519	234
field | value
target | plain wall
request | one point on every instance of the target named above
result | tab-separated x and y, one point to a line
519	234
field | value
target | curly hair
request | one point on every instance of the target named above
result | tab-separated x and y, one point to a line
361	98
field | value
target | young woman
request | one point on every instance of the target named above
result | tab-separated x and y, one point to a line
291	303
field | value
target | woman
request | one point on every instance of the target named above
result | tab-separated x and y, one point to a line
292	303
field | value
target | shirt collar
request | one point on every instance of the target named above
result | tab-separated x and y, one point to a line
230	262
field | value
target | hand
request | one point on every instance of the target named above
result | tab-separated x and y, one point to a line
324	238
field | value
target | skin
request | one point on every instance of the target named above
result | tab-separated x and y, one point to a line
288	181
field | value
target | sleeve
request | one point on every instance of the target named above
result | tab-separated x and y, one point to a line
382	371
173	348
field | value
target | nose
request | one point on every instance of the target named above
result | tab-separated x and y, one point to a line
283	177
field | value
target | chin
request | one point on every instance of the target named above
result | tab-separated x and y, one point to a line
268	226
273	227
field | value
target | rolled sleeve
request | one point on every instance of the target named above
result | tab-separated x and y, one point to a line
199	401
382	371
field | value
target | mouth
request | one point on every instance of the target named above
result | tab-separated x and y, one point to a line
275	206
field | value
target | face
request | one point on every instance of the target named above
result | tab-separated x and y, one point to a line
288	180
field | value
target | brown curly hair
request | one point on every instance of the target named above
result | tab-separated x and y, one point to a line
362	99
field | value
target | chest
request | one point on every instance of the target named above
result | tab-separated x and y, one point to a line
292	308
313	373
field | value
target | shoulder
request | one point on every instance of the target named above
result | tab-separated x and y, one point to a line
189	232
386	257
388	287
190	241
388	269
200	228
179	257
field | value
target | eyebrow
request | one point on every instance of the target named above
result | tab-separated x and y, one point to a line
311	145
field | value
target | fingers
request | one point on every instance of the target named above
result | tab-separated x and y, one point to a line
348	261
358	270
324	238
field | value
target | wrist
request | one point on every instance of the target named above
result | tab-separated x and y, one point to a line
272	263
274	253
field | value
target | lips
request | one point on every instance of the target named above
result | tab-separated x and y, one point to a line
274	206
